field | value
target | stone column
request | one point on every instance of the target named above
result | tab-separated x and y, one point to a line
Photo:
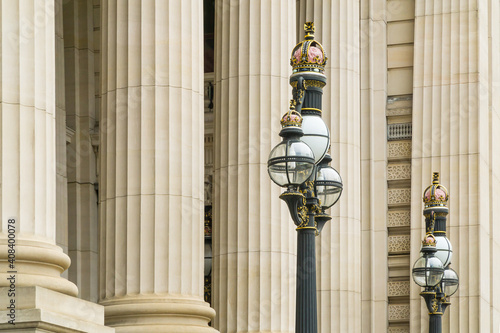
151	167
338	246
254	239
456	127
28	145
374	271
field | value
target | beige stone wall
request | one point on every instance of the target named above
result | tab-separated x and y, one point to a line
434	65
455	132
400	26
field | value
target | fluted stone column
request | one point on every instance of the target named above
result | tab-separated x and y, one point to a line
338	246
28	145
254	239
456	127
151	187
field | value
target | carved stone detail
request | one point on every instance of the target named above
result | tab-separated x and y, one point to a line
398	112
398	244
398	330
398	196
398	288
398	218
398	171
399	312
399	149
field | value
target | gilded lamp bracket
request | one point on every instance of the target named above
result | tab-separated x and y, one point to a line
436	301
296	202
305	208
431	301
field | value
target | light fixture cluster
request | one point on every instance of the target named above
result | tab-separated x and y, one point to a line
300	162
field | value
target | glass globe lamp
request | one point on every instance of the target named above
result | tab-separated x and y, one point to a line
291	162
316	135
449	282
328	183
428	270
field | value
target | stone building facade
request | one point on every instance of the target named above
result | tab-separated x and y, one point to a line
134	143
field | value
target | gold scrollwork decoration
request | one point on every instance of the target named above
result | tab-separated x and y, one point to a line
434	305
430	229
302	212
298	95
309	187
313	83
316	209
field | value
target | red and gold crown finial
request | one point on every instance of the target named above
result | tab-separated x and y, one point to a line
429	240
435	195
308	55
292	117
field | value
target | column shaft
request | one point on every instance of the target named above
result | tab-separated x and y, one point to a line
28	145
374	272
254	242
338	246
151	194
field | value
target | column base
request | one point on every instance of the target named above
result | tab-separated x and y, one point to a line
36	264
153	314
42	310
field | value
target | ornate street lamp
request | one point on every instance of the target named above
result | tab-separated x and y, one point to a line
432	270
300	164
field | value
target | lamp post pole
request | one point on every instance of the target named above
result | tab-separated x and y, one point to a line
300	164
432	271
306	309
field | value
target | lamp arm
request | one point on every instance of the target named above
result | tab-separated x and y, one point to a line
430	300
296	205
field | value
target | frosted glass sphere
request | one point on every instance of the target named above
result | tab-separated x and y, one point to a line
316	135
427	271
444	250
290	163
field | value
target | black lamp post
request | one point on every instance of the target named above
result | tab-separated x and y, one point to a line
300	164
432	270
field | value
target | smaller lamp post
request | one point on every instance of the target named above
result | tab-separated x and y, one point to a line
432	270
